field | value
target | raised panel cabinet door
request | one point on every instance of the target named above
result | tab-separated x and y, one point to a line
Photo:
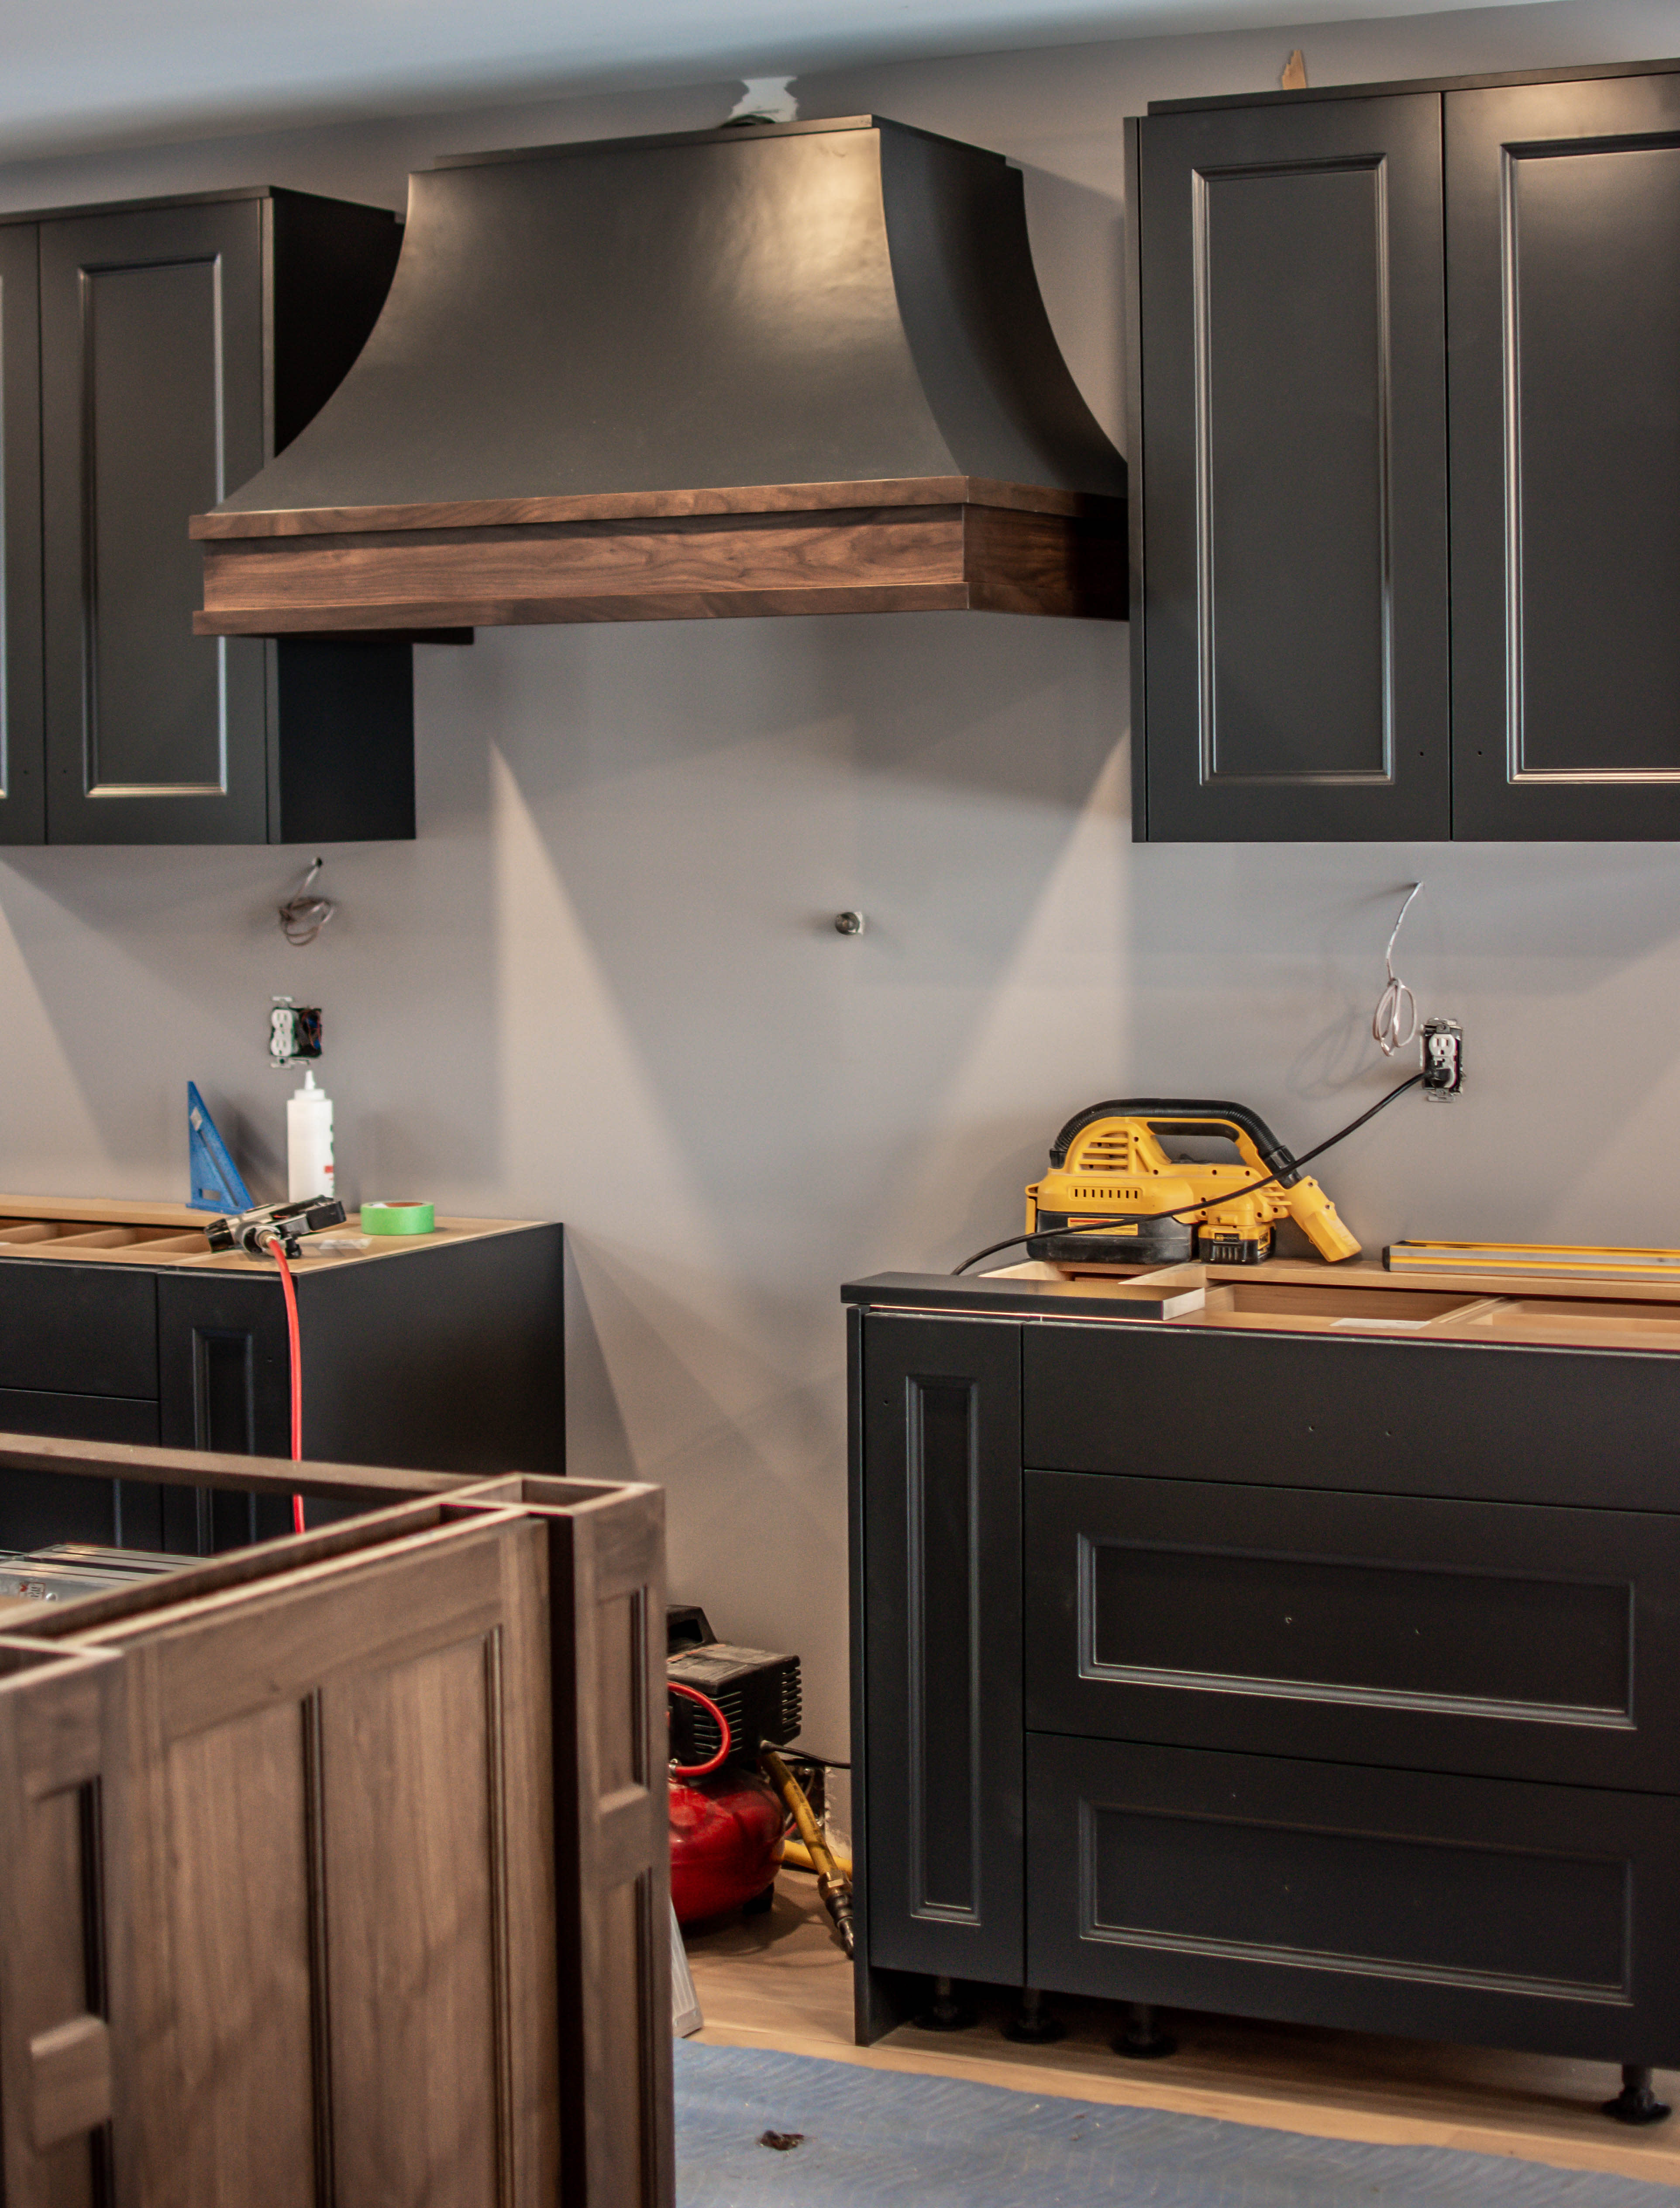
941	1646
1563	242
331	1826
1291	607
153	403
23	767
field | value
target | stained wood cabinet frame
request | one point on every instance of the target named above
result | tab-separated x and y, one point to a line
336	1868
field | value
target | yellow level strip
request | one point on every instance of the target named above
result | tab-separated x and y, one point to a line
1560	1260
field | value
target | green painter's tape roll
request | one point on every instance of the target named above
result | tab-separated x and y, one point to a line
397	1219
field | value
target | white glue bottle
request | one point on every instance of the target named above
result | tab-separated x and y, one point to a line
308	1142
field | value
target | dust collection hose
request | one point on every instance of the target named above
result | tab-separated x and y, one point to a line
831	1883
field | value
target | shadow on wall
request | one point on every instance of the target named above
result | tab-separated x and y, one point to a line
130	971
732	1107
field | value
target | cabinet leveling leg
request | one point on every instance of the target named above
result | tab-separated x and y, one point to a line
1142	2039
1636	2103
947	2012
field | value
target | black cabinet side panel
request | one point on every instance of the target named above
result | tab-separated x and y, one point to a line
333	266
1294	426
1479	1910
22	762
1563	226
446	1358
344	767
1593	1427
942	1693
152	350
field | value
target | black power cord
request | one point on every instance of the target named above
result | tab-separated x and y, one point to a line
1106	1225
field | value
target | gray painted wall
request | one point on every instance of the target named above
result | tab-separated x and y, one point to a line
603	987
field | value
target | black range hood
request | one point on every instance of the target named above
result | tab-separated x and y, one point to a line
786	368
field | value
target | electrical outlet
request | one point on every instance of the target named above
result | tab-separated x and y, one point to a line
1442	1059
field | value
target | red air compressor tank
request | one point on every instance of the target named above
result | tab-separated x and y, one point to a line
726	1842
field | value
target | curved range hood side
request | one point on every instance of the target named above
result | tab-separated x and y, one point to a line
804	368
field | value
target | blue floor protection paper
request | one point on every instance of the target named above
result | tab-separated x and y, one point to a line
876	2137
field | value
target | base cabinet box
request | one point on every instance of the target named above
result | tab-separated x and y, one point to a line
1162	1695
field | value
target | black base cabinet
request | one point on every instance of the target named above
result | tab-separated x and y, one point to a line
444	1356
1319	1678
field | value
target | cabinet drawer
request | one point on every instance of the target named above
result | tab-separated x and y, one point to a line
1515	1641
1406	1417
74	1331
1483	1911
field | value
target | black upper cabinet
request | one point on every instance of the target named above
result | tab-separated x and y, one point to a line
1290	647
1337	632
1564	312
180	344
22	787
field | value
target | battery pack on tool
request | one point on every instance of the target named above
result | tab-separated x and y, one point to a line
757	1692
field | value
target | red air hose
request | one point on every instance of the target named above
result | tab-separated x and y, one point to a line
295	1359
700	1770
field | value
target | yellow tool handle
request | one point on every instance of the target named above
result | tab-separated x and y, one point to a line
1318	1218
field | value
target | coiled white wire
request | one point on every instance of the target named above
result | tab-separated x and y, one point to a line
1395	1022
303	915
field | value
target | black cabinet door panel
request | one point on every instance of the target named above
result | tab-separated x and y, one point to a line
1490	1638
152	380
1293	477
941	1657
1563	235
23	767
1479	1910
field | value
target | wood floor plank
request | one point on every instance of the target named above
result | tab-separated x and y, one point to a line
780	1982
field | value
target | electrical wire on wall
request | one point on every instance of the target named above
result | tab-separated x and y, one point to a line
304	914
1394	1024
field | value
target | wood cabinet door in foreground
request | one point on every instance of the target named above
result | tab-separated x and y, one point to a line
329	1858
55	1735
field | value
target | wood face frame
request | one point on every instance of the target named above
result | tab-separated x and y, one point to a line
935	543
243	1773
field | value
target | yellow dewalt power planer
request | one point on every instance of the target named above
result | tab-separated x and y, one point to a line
1112	1180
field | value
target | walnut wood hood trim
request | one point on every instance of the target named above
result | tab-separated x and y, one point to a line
575	332
942	544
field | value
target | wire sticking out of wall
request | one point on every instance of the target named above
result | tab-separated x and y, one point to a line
303	915
1394	1024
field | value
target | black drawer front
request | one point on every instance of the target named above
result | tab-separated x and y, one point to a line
1483	1911
1515	1641
39	1507
1402	1416
75	1330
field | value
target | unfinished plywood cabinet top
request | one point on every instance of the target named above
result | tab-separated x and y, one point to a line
106	1231
1286	1296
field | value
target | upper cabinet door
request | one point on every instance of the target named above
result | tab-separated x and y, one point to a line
153	407
1564	305
23	785
1293	593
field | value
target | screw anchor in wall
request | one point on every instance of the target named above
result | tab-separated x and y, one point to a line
850	923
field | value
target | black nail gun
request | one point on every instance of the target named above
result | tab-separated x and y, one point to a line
1110	1172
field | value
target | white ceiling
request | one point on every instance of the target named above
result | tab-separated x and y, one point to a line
78	72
